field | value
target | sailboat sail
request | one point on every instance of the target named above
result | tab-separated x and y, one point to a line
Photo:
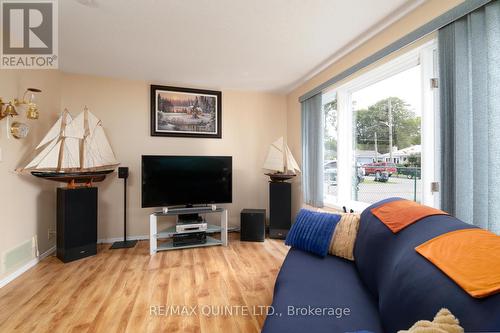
70	154
49	162
75	128
56	129
98	151
280	158
291	163
74	145
42	155
274	160
92	123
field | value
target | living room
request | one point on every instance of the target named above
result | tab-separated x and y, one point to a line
195	166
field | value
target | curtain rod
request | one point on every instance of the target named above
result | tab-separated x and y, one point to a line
450	16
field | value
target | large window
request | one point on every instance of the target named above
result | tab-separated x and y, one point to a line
387	121
380	138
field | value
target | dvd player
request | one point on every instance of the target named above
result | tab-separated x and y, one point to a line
191	238
191	227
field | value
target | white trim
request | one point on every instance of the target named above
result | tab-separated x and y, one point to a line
345	144
356	206
119	239
392	67
437	131
429	130
47	253
21	270
377	28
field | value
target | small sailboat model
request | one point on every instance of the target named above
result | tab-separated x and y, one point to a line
280	160
75	150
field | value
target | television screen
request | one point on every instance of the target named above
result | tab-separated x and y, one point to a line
186	180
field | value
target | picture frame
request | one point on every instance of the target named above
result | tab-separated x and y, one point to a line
186	112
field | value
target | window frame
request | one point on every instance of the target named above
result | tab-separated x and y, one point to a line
424	55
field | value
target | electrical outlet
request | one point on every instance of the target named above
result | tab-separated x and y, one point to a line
50	233
434	187
1	157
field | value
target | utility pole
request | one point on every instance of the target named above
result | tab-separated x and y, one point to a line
376	148
390	128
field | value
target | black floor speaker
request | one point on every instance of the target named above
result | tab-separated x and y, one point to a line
280	209
253	225
76	223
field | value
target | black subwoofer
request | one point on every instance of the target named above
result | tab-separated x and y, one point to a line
76	223
280	209
253	225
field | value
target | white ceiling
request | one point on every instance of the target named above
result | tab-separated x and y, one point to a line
269	45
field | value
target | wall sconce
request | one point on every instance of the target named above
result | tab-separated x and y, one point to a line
10	110
10	107
32	112
19	130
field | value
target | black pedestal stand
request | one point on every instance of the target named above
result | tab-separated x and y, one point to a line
123	173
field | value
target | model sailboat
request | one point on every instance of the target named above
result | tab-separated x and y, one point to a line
280	160
75	150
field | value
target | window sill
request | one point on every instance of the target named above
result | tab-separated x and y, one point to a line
356	206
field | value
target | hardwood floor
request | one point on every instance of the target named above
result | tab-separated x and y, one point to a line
128	291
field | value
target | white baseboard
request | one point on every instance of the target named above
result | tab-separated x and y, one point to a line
118	239
18	272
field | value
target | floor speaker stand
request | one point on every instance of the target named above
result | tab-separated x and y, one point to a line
123	173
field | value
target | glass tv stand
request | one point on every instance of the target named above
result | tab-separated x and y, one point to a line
168	233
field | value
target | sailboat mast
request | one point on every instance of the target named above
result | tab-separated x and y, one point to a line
61	149
86	133
285	158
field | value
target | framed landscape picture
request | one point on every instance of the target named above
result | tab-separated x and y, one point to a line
186	112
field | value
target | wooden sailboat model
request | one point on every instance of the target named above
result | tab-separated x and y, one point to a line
75	150
280	160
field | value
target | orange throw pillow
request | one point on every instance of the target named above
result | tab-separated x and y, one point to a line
399	214
470	257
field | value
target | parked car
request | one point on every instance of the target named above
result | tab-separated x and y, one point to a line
379	167
410	172
330	172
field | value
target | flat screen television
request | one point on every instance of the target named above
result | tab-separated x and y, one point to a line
186	180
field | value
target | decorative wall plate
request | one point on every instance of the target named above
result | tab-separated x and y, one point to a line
19	130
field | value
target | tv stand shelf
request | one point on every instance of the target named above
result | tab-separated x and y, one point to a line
155	235
170	231
168	245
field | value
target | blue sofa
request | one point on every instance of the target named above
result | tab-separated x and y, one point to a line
388	288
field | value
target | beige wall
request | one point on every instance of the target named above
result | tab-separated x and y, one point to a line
251	121
27	204
415	19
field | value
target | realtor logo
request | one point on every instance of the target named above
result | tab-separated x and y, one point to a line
29	34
